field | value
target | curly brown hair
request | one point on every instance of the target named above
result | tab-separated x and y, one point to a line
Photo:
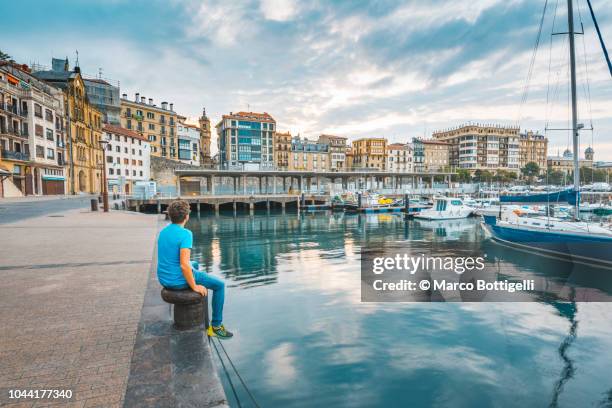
178	210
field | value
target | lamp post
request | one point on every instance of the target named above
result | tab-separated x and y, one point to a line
103	144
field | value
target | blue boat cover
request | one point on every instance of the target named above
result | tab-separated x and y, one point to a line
569	195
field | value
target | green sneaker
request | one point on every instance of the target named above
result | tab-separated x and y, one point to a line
219	332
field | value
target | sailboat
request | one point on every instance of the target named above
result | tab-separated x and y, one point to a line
573	240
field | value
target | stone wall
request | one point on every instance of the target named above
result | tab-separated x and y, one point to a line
162	171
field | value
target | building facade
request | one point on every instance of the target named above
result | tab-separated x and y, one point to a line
188	142
308	155
83	129
370	153
482	147
399	158
282	150
32	140
565	163
246	141
105	97
337	151
128	159
533	147
156	123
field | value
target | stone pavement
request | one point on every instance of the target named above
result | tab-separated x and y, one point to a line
71	294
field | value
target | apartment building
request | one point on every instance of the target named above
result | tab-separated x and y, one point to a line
282	150
156	123
188	142
533	147
246	141
399	158
128	159
32	140
370	153
309	155
337	151
482	147
430	155
83	129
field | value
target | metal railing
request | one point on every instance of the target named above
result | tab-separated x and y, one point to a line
11	155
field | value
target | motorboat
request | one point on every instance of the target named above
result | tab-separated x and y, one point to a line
446	208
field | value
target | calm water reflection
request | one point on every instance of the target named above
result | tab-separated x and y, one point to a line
303	338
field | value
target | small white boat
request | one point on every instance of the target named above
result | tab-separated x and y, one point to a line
446	208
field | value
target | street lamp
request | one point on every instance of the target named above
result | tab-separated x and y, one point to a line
103	144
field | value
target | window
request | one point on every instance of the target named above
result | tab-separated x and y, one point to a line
50	134
118	161
140	173
128	124
118	149
127	172
150	115
140	163
125	149
133	151
140	152
109	159
133	172
38	130
37	110
50	154
109	147
111	171
126	161
48	115
151	126
40	151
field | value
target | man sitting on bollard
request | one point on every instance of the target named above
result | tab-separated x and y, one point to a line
176	272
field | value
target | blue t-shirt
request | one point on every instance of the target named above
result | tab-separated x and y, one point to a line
169	244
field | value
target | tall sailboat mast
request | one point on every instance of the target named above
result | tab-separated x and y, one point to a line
572	50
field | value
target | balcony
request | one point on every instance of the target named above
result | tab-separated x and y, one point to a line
11	131
11	155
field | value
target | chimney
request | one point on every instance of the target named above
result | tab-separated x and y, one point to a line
137	98
165	105
124	96
171	106
143	99
151	101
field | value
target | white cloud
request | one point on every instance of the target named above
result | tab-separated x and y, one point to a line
278	10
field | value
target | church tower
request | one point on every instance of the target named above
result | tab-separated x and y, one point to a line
205	136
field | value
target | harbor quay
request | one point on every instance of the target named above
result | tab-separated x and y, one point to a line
82	316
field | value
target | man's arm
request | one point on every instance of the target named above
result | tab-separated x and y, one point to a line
188	273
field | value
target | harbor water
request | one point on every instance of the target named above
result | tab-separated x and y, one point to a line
303	337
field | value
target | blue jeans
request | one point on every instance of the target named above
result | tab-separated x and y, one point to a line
216	285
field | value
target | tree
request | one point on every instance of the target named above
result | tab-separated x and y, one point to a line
4	56
462	176
505	176
555	177
530	170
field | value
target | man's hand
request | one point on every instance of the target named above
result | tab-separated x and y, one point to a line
200	289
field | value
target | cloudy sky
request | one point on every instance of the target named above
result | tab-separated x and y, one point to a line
383	68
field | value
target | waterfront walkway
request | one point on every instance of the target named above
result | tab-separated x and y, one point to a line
72	288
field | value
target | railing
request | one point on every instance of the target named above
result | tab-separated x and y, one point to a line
10	108
8	154
9	130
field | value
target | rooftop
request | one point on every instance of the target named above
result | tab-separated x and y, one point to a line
262	117
118	130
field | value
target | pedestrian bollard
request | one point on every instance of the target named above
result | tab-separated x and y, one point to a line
100	199
94	204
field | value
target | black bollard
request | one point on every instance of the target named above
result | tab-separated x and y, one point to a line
406	204
189	308
94	204
358	200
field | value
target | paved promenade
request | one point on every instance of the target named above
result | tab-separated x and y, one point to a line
71	290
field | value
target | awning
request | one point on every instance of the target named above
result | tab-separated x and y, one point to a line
12	80
49	177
